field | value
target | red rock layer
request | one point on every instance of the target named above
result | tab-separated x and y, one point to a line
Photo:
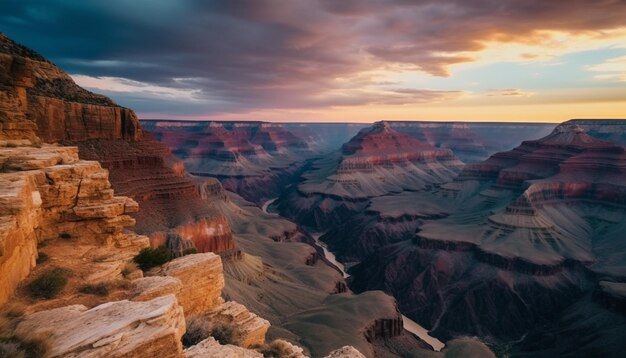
225	140
39	99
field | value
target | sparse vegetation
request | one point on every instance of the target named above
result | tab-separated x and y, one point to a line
200	328
149	257
276	349
14	348
48	284
99	289
42	257
190	251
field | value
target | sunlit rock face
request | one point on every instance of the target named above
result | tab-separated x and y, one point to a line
41	102
523	236
61	109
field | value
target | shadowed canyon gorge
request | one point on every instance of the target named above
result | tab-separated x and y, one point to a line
122	237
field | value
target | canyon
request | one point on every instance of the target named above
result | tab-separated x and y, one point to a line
475	236
79	173
391	239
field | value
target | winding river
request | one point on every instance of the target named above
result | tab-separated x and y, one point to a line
409	324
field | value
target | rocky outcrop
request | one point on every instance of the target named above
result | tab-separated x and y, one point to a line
202	278
171	203
212	348
248	328
40	101
47	194
378	161
116	329
60	109
345	352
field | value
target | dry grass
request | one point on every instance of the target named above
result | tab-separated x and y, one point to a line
200	328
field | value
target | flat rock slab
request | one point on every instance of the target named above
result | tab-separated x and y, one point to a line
114	329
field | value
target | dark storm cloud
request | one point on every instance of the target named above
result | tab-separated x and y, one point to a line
243	55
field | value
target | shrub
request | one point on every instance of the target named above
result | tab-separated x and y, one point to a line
48	284
200	328
276	349
149	257
14	348
190	251
42	257
99	289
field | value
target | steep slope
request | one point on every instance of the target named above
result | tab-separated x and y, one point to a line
472	141
287	281
377	161
40	100
529	233
254	159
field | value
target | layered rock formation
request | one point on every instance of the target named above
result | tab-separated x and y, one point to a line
528	233
116	329
255	159
472	141
40	101
376	162
47	194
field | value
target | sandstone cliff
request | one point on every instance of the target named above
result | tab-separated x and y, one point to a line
38	101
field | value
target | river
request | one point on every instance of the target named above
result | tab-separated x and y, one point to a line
409	324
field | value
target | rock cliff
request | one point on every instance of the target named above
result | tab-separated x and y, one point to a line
377	161
41	102
254	159
524	236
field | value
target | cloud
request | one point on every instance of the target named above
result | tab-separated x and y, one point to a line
613	69
508	92
241	56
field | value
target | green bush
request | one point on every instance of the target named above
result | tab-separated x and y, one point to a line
190	251
149	257
48	284
99	289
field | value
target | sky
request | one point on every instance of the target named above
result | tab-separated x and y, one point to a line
338	60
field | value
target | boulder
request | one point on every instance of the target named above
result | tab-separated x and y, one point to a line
114	329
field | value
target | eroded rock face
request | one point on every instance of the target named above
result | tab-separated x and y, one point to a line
472	142
38	101
248	328
115	329
49	193
61	109
527	235
376	162
254	159
212	348
202	278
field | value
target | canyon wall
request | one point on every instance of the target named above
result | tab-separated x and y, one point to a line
512	244
40	102
257	160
